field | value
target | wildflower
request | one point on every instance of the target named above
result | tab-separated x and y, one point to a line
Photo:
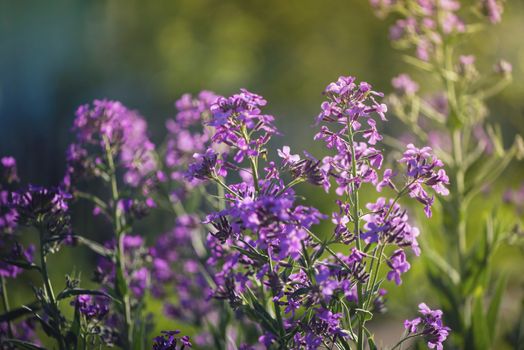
288	158
175	266
388	223
24	330
43	208
135	254
347	105
204	165
493	10
170	340
15	254
399	265
404	85
187	135
430	325
92	307
8	179
108	126
423	168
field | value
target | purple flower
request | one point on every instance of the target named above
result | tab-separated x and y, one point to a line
92	307
170	340
347	106
399	265
404	85
8	179
493	10
389	225
430	325
187	135
287	157
424	169
109	124
8	171
16	254
24	330
43	207
175	266
137	275
204	166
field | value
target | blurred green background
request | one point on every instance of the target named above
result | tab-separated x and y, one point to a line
57	55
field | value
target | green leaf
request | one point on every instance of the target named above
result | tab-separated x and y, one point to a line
368	315
480	327
74	331
371	342
22	264
23	344
252	254
120	283
494	306
94	246
19	312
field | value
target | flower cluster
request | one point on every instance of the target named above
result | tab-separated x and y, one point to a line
107	130
253	270
92	307
427	24
170	340
177	267
430	326
350	106
262	241
44	208
8	179
24	331
137	274
423	168
187	134
13	257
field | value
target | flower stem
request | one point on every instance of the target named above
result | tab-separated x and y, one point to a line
404	339
356	226
5	300
48	288
121	287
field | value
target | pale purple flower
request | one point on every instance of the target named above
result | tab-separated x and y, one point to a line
404	84
287	157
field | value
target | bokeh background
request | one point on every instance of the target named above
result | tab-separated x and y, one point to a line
57	55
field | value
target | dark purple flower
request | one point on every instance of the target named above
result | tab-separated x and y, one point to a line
14	253
92	307
24	330
171	340
44	208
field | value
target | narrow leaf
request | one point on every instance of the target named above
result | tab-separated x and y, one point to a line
494	306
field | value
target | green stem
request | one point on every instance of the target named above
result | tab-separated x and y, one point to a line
120	279
406	338
375	274
356	226
48	288
5	300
